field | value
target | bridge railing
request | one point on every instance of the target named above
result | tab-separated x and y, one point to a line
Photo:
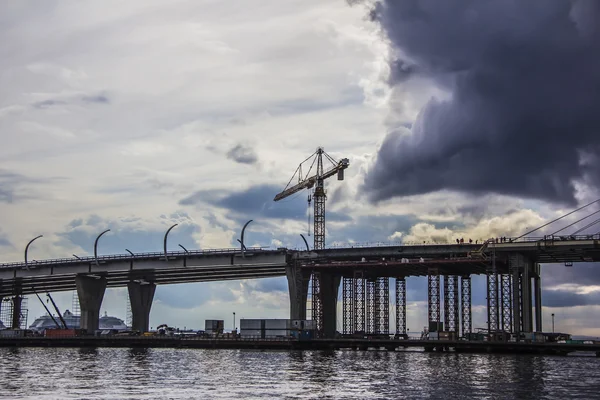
505	239
136	256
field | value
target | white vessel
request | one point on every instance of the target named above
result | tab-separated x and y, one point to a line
106	322
2	326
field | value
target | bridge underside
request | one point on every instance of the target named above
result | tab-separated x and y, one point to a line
392	269
57	283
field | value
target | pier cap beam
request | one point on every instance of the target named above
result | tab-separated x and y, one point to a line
90	290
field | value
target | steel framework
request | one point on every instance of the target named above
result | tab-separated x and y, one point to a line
6	312
493	311
401	305
359	302
370	303
465	300
382	305
451	306
433	297
348	304
316	303
506	302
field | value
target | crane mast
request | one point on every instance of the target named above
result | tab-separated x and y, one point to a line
316	181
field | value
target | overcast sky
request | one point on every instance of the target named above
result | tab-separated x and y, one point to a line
471	119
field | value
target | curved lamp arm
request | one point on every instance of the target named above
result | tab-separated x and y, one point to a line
305	242
27	248
96	246
242	240
165	240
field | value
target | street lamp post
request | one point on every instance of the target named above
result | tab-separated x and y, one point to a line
552	322
27	248
165	241
233	321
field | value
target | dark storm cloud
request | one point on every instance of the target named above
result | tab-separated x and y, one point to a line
257	202
565	298
242	154
522	117
579	274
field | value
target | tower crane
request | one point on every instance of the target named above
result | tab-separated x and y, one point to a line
315	179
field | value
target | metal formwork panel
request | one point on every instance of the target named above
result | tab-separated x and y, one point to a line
382	305
465	300
348	305
506	302
401	305
317	304
370	305
359	302
433	295
6	312
493	310
451	306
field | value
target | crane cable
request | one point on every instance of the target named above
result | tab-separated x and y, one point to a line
557	219
576	222
587	226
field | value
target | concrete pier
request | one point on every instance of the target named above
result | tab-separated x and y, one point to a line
298	290
90	290
330	285
141	295
16	315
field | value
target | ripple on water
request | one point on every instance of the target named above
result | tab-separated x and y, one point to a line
224	374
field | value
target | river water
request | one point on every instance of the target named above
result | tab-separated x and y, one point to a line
58	373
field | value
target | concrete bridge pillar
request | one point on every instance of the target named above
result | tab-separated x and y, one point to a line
141	295
330	285
90	290
16	314
298	290
537	286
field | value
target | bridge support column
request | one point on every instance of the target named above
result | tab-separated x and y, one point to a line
401	305
537	285
16	311
382	305
370	305
451	303
348	305
298	290
506	309
140	298
433	299
90	290
359	299
514	267
330	285
527	300
465	304
493	310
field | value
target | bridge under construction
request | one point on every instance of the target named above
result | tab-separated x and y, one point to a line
364	274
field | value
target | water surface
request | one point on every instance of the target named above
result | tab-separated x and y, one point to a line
33	373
